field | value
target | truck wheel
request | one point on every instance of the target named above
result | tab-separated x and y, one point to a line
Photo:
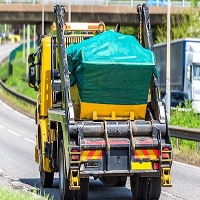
139	186
154	189
82	194
65	192
110	181
46	178
121	182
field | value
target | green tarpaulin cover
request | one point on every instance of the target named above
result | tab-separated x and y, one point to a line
111	68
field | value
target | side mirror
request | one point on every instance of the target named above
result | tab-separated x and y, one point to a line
31	58
32	76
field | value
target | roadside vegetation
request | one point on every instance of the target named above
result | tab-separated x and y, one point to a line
15	78
7	193
182	26
185	151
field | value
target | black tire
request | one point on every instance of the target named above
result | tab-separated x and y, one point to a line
110	181
139	187
46	178
65	192
122	181
82	194
154	189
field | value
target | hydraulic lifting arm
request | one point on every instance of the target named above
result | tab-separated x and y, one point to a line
145	32
145	39
63	65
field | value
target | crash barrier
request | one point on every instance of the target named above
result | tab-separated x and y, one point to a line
26	100
185	133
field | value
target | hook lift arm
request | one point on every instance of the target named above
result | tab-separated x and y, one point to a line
145	31
63	64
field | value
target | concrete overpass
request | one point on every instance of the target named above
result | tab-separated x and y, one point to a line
110	14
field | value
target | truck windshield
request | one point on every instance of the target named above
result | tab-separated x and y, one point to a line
196	72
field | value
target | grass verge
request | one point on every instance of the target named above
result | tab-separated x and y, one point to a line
187	156
17	105
185	151
6	194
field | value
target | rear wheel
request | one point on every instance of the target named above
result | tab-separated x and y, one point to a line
139	187
154	189
65	192
46	178
82	194
109	180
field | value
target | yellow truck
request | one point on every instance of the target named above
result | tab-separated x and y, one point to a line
98	110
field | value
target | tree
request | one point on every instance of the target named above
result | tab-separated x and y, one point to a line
182	26
194	3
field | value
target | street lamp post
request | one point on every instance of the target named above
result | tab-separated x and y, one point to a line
69	11
28	48
42	17
168	97
24	41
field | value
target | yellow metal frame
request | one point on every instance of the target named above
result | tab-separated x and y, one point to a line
97	111
45	84
74	180
166	177
44	138
45	101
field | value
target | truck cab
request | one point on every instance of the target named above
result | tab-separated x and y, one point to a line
192	82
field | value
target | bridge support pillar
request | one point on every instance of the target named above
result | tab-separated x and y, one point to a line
47	28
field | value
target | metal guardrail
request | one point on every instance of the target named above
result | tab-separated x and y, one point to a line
177	132
18	96
185	133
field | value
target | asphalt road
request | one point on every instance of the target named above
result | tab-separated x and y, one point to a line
17	142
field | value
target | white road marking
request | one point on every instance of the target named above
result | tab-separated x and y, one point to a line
6	105
22	115
187	165
30	140
14	133
174	197
2	127
15	111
